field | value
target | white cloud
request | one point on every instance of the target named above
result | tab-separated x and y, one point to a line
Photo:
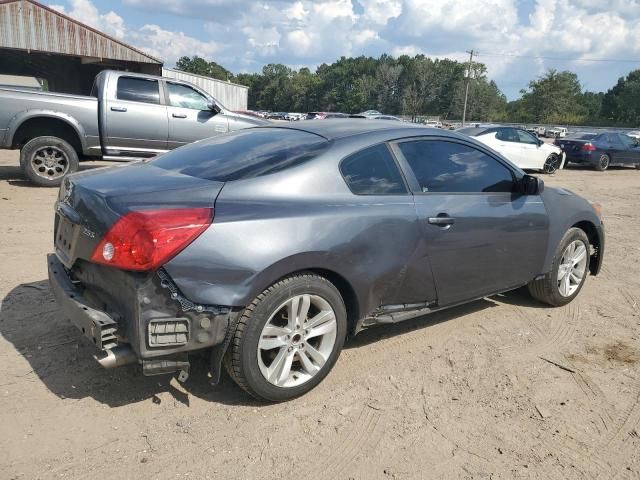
170	45
83	10
164	44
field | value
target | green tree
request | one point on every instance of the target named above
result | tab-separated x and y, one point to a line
200	66
621	104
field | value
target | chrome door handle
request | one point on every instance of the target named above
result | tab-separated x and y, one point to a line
442	221
118	109
178	115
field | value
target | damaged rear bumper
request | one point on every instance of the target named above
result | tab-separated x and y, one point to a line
138	318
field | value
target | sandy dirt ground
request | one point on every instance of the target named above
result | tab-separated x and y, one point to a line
467	393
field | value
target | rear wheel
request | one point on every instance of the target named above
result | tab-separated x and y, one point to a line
288	339
603	162
568	271
46	160
552	163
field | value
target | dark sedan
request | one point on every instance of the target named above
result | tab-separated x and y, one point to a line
602	150
268	247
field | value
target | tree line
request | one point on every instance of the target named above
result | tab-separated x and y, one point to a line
421	86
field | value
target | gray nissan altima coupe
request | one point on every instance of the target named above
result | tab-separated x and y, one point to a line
267	247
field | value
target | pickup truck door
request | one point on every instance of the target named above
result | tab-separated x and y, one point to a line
190	116
136	121
481	236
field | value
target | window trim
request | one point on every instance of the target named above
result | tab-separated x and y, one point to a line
134	77
405	183
412	180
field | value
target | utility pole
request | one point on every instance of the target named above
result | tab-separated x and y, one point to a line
466	92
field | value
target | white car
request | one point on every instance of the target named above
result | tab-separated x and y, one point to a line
556	132
635	134
519	146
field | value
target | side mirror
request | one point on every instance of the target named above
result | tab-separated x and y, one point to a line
540	142
530	185
211	106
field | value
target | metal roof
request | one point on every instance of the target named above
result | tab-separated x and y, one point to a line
29	25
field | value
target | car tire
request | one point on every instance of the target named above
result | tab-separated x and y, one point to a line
551	288
603	162
552	163
45	161
255	349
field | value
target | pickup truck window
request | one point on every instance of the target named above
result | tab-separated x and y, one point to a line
138	90
243	154
186	97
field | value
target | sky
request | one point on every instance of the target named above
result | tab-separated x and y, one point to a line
518	40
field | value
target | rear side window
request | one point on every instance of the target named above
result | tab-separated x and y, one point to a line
247	153
441	166
138	90
373	171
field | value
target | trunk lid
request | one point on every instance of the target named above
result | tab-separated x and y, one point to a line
89	203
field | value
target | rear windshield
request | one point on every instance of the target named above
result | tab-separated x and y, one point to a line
472	131
243	154
585	136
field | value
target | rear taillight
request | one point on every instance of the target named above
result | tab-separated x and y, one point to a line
588	147
146	239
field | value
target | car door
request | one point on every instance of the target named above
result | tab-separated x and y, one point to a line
481	236
190	115
389	251
531	156
508	144
136	120
632	152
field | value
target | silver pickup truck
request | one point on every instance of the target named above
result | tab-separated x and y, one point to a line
128	116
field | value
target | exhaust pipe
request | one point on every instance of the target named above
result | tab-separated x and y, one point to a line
117	357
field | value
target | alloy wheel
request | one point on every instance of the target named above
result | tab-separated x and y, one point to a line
551	164
297	340
50	162
573	267
604	162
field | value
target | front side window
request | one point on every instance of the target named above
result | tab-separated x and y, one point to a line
526	137
441	166
186	97
373	171
138	90
507	135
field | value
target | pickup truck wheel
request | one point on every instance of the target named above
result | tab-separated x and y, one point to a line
551	164
46	160
288	339
603	162
568	273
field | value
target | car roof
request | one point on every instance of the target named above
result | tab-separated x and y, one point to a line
349	127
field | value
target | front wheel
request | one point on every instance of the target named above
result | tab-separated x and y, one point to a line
552	163
568	271
46	160
288	339
603	162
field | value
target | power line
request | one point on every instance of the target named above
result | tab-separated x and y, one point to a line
564	59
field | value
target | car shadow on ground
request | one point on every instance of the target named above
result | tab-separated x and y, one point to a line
13	175
62	359
58	354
